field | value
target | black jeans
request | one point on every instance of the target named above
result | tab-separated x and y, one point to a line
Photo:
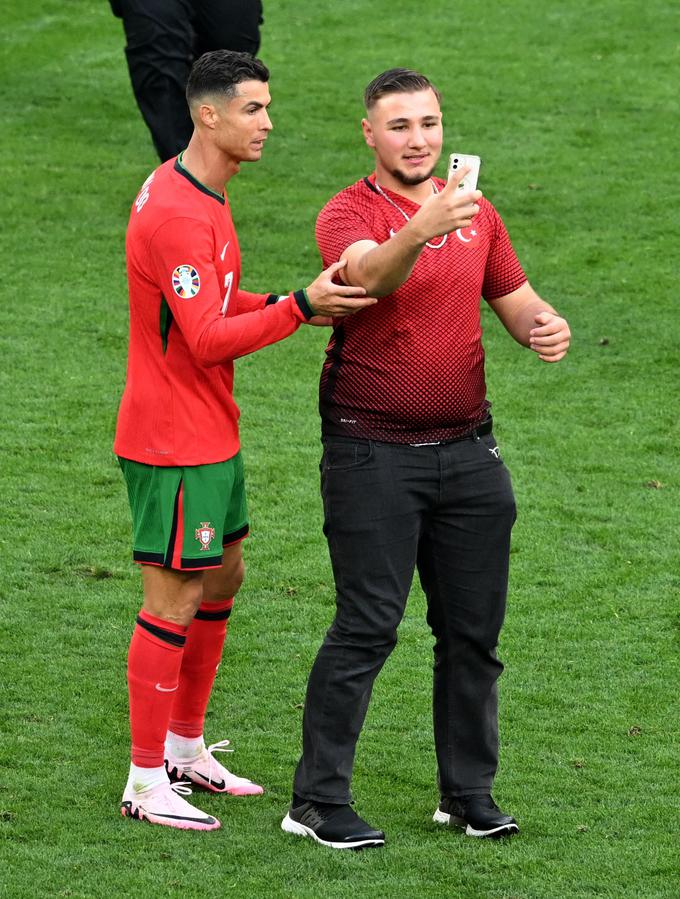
163	39
448	511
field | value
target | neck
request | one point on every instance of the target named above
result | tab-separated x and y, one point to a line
208	164
418	193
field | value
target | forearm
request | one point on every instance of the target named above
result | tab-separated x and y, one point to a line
228	338
383	269
251	302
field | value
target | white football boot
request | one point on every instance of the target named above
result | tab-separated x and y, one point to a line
163	804
205	771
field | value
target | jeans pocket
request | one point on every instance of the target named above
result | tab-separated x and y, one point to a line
339	455
488	443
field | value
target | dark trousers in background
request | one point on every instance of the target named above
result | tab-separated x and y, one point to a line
164	37
446	510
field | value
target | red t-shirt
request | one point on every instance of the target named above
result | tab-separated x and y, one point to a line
188	321
411	368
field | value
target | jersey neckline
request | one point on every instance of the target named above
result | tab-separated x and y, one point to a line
196	183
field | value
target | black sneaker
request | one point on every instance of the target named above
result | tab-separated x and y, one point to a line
479	815
337	826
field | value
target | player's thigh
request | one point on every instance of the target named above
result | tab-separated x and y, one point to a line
226	581
227	25
215	512
464	554
157	29
372	519
155	494
178	513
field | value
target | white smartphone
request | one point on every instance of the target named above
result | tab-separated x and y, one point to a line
458	161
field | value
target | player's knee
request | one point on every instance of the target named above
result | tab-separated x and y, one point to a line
234	578
226	584
170	594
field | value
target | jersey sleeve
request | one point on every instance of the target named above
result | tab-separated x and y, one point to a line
339	225
181	252
251	302
503	272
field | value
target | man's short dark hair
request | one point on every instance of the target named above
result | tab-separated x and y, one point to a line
220	71
397	81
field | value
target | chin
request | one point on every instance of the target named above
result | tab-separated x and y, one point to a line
412	178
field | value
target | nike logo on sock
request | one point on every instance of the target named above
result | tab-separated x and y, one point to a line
166	689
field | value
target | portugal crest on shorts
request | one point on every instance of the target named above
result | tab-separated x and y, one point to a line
205	535
185	281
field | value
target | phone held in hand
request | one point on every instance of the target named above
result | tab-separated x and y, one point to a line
458	161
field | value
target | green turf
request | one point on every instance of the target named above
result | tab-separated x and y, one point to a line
571	107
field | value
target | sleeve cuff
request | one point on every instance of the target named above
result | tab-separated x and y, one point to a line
274	298
302	300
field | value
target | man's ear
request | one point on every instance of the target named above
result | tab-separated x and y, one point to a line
207	115
368	132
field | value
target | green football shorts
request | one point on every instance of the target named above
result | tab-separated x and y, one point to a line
182	517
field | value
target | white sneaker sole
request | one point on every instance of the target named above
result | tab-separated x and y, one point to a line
301	830
441	817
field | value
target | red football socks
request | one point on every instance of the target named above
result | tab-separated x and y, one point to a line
202	655
154	663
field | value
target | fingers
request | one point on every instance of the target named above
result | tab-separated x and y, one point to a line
465	216
544	357
543	318
550	325
550	341
347	290
334	267
343	308
455	179
552	347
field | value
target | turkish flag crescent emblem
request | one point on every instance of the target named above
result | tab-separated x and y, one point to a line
468	236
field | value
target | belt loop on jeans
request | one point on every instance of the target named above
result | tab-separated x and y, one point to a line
484	428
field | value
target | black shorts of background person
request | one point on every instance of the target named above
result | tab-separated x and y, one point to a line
164	37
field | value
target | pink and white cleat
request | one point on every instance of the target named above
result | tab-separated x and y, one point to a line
205	771
163	804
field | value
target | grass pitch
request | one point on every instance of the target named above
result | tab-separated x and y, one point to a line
571	108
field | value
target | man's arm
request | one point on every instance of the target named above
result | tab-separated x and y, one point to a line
533	323
383	268
214	338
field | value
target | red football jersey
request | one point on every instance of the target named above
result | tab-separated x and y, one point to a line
188	321
411	368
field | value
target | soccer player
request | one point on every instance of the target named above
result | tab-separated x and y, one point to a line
412	477
177	435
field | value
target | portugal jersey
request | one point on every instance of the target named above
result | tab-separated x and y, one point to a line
188	322
410	369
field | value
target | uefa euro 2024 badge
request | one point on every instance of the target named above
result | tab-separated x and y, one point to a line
185	281
205	535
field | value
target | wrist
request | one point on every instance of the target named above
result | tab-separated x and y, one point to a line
417	235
